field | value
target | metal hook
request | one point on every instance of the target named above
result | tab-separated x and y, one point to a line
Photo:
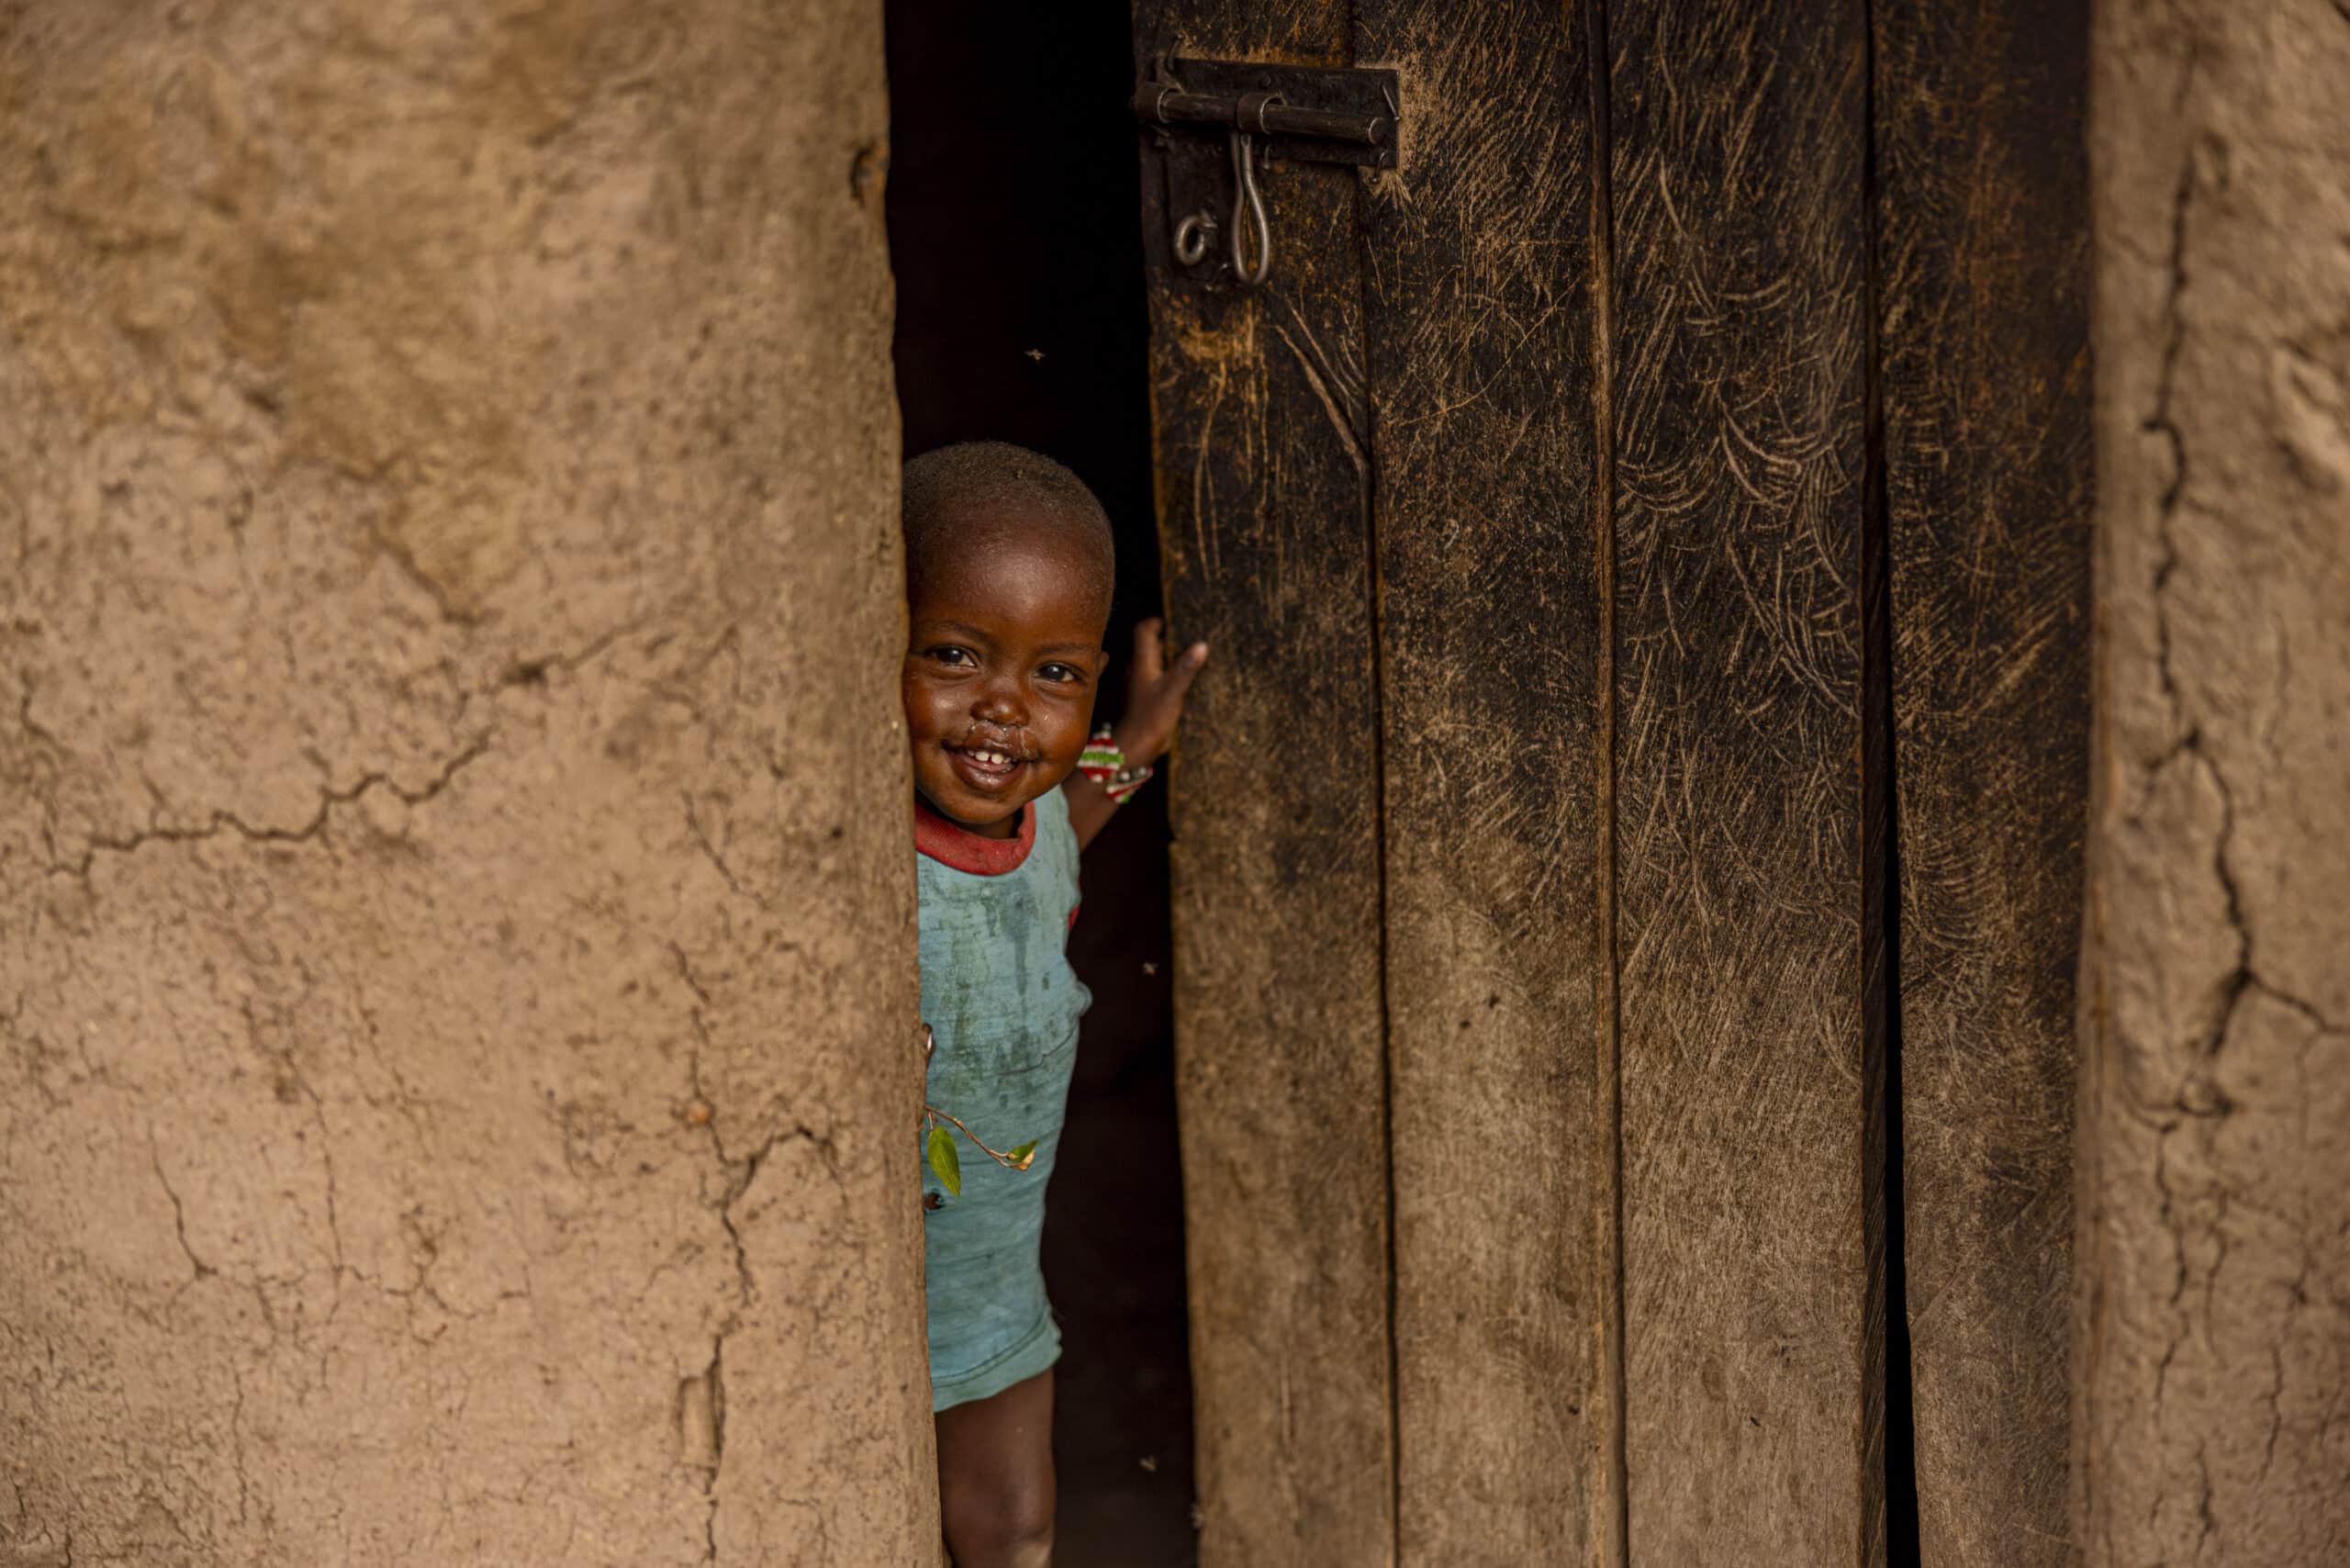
1248	203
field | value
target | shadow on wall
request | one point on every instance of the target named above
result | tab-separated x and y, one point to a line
1015	235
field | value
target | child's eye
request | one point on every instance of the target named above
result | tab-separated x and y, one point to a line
1058	672
952	657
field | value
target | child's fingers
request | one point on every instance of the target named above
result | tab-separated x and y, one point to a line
1149	658
1179	679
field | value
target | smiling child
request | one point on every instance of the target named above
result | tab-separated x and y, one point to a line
1008	573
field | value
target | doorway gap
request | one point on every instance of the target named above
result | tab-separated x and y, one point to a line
1014	219
1881	882
1612	1522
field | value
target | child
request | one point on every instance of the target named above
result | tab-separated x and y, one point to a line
1009	569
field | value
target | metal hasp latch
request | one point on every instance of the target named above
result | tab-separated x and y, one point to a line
1218	123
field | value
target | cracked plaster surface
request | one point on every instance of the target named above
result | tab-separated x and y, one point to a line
447	635
2214	1340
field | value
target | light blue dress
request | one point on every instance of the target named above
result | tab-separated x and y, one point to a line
1003	1005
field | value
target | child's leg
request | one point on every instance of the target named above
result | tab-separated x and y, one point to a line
995	1477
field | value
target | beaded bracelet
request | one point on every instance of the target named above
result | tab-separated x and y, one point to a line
1105	762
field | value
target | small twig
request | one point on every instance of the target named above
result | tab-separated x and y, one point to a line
1007	1162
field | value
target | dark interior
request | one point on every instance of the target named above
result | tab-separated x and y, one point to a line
1015	235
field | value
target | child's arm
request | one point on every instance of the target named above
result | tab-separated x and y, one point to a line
1154	703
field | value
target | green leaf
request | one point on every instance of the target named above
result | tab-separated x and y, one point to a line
1021	1156
945	1161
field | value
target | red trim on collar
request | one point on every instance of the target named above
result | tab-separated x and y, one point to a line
951	844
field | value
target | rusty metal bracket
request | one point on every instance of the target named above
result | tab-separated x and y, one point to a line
1217	127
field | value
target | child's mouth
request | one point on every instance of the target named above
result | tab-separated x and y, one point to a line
987	769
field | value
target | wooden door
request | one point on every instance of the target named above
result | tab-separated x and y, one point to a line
1535	863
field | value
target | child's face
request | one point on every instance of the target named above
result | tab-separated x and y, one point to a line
999	673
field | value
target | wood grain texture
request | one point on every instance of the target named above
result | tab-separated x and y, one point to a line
2212	1364
1260	432
1477	263
1982	232
1738	399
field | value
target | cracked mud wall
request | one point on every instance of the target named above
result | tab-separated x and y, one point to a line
2213	1343
453	979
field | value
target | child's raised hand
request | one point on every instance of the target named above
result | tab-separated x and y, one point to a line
1155	691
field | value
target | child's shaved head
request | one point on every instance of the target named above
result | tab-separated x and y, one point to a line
976	495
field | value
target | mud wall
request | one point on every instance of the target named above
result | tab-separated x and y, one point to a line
2210	1351
453	976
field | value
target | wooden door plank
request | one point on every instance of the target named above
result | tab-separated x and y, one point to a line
1260	425
1749	1055
1983	235
1477	257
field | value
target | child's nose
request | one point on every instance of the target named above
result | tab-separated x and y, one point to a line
1000	703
